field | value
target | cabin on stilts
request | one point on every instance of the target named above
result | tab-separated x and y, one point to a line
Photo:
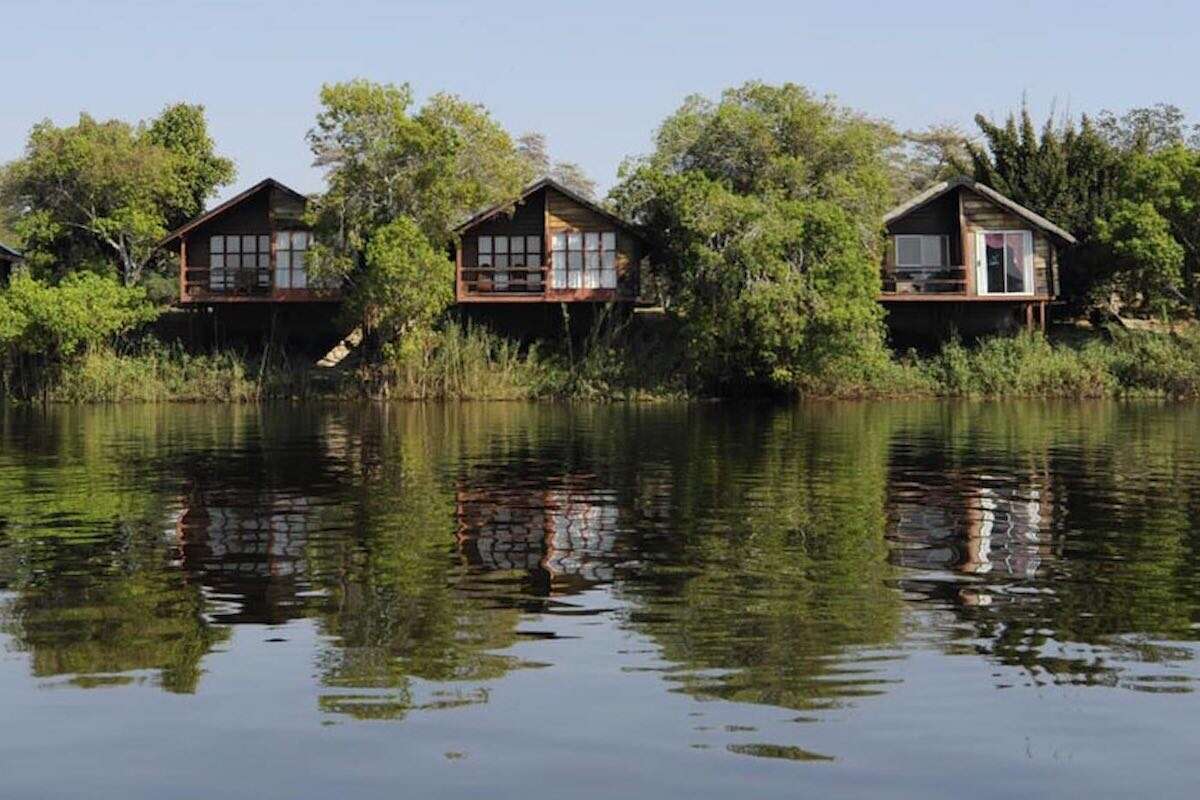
962	257
516	263
243	266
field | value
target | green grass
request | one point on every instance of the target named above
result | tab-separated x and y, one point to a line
635	362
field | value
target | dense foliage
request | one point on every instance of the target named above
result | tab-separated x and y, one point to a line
100	195
764	208
401	174
45	327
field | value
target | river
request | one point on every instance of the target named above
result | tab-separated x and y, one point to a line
828	599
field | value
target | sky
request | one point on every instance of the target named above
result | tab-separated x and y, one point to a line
595	78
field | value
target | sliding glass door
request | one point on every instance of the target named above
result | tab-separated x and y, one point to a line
1004	262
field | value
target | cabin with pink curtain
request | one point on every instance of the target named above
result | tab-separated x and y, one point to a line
961	256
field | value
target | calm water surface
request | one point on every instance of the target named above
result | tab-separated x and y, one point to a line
667	601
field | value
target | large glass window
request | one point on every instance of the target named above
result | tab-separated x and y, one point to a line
291	259
239	261
922	251
512	263
585	260
1006	262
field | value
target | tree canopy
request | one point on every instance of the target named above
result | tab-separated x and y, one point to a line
764	210
100	195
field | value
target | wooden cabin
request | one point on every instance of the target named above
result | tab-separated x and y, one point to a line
962	255
8	260
250	249
551	246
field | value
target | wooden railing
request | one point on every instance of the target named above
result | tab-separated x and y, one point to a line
937	280
504	280
247	284
236	282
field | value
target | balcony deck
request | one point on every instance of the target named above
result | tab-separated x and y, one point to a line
248	286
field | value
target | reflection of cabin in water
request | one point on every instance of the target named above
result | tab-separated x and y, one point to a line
565	532
961	254
980	526
248	549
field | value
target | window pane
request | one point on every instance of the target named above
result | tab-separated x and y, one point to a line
233	244
249	244
485	259
281	240
608	259
908	251
574	241
264	260
501	244
299	279
575	261
533	259
217	261
931	251
591	241
283	279
608	241
216	279
502	261
560	278
264	244
993	248
591	260
516	259
485	244
1015	251
216	244
299	240
283	260
299	262
560	241
533	244
608	278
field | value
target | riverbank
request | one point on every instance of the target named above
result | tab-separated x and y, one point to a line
474	364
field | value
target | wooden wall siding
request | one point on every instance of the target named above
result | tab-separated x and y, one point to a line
564	214
981	214
527	220
938	217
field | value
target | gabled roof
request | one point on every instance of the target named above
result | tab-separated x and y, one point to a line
266	183
937	190
8	254
536	186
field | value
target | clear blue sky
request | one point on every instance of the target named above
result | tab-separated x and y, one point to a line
596	78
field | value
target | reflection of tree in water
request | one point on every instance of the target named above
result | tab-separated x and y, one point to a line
770	581
396	613
99	610
91	592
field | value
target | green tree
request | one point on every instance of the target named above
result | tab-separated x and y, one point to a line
404	177
764	210
1168	180
44	327
405	284
100	195
1143	259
